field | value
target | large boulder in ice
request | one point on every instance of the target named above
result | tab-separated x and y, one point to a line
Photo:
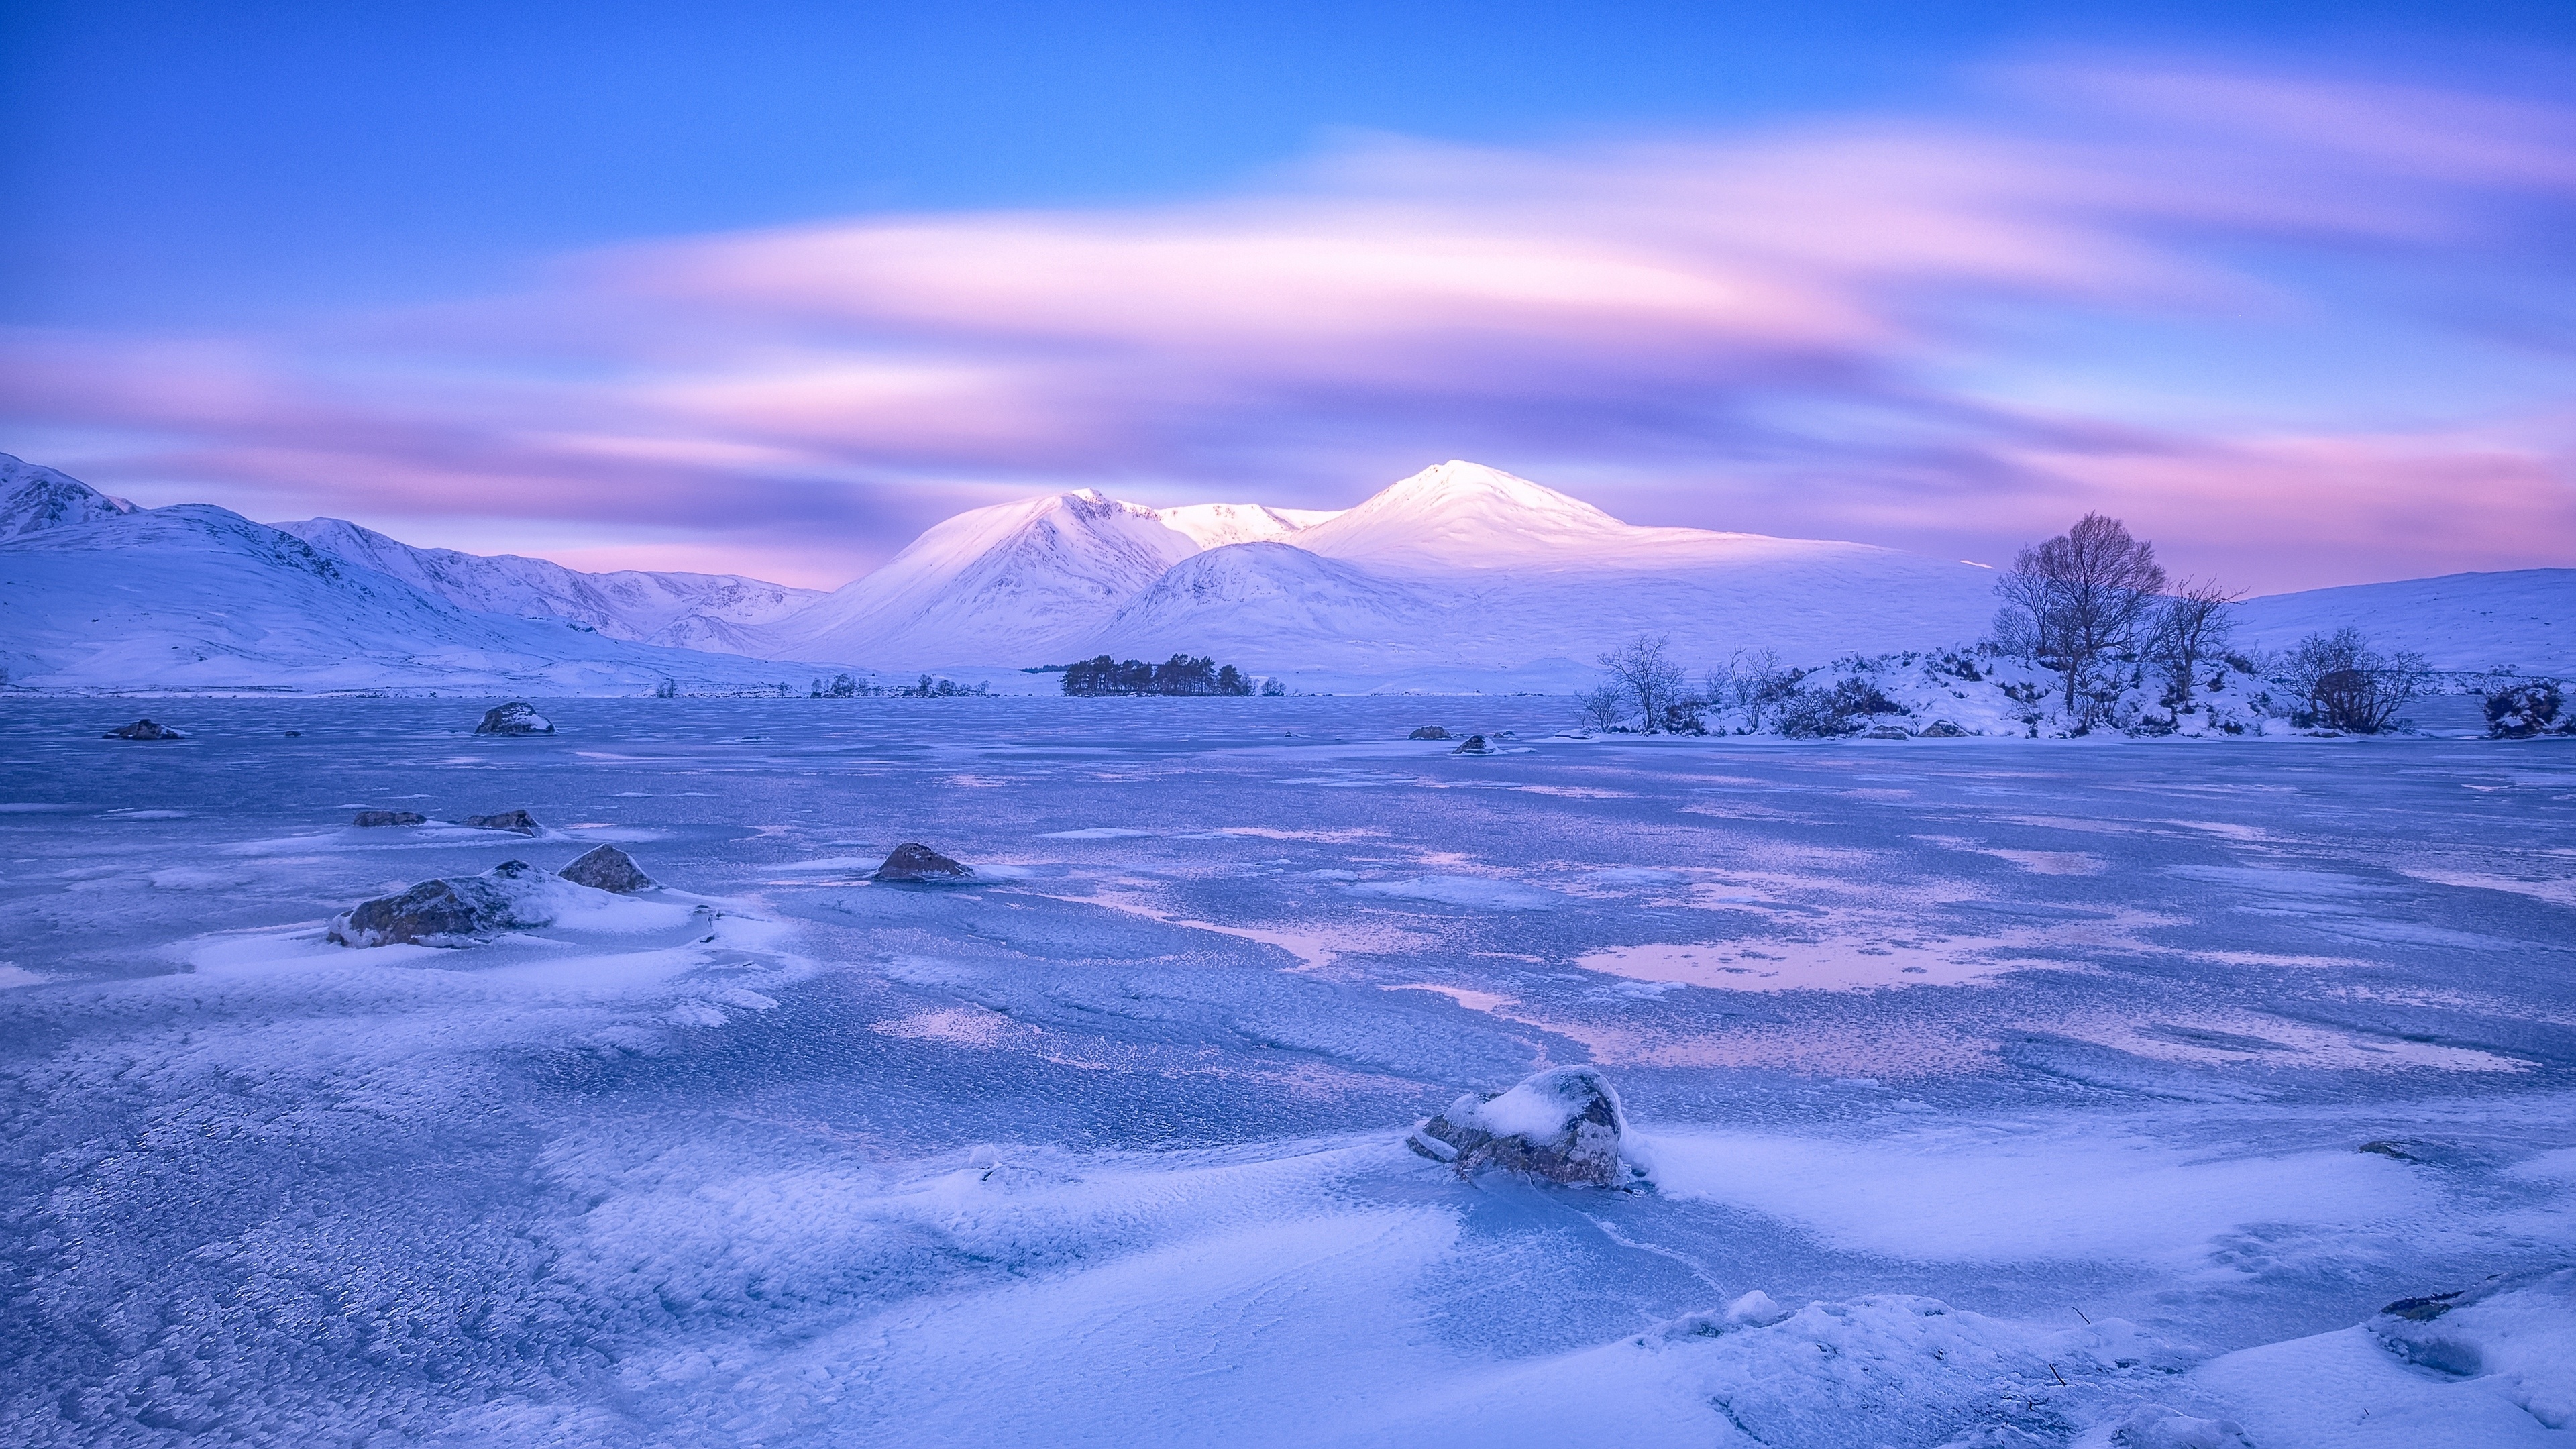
607	868
518	717
1429	732
916	864
1563	1125
1475	745
459	911
369	819
143	729
518	821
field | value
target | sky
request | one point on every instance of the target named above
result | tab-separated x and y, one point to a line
770	287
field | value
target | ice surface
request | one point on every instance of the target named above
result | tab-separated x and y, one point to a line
2245	1044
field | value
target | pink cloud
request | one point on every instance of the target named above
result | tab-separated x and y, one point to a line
1761	331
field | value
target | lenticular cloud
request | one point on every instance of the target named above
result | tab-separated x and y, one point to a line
1839	302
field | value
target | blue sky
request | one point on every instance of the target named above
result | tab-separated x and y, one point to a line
352	234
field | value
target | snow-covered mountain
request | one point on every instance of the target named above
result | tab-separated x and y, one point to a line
33	497
1460	567
1016	583
2521	619
98	594
683	610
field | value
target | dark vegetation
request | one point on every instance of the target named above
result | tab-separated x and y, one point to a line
1181	674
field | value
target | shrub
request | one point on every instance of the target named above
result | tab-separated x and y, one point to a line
2350	686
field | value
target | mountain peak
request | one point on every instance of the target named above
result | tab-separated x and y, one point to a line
1465	515
34	497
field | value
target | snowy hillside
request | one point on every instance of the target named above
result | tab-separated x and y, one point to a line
1014	584
32	498
1489	580
1483	577
2523	620
684	610
99	595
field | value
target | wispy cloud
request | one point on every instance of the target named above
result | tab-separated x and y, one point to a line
1795	331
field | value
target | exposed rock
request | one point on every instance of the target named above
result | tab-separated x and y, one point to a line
920	863
1942	729
517	820
295	734
515	718
369	818
2519	711
1887	732
1563	1125
143	729
1474	745
607	868
1429	732
455	912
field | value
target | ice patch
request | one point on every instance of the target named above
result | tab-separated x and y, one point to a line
14	976
1097	832
1772	965
1472	892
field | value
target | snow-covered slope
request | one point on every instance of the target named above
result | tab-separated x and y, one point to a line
685	610
2523	620
1463	567
1011	584
32	498
1214	525
104	596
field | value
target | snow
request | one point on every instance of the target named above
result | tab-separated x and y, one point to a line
680	610
2520	621
194	597
1110	1150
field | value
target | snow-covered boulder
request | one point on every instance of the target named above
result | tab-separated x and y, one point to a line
1563	1125
1475	745
512	896
369	819
2519	711
143	729
916	864
608	868
517	821
515	718
1429	732
2518	1329
2153	1426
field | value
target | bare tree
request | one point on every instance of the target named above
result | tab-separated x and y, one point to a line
1753	681
2088	592
1605	705
1646	674
2349	685
2191	629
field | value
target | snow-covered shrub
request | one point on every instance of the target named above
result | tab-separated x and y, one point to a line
1987	692
2519	711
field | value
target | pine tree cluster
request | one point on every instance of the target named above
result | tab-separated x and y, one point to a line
1180	674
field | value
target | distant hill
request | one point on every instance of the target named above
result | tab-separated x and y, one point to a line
98	594
2521	619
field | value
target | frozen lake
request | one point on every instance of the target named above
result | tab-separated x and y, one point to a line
2144	1060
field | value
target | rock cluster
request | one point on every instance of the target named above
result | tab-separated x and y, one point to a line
1429	732
607	868
1475	745
918	864
1562	1125
1942	729
370	818
514	820
515	718
143	729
